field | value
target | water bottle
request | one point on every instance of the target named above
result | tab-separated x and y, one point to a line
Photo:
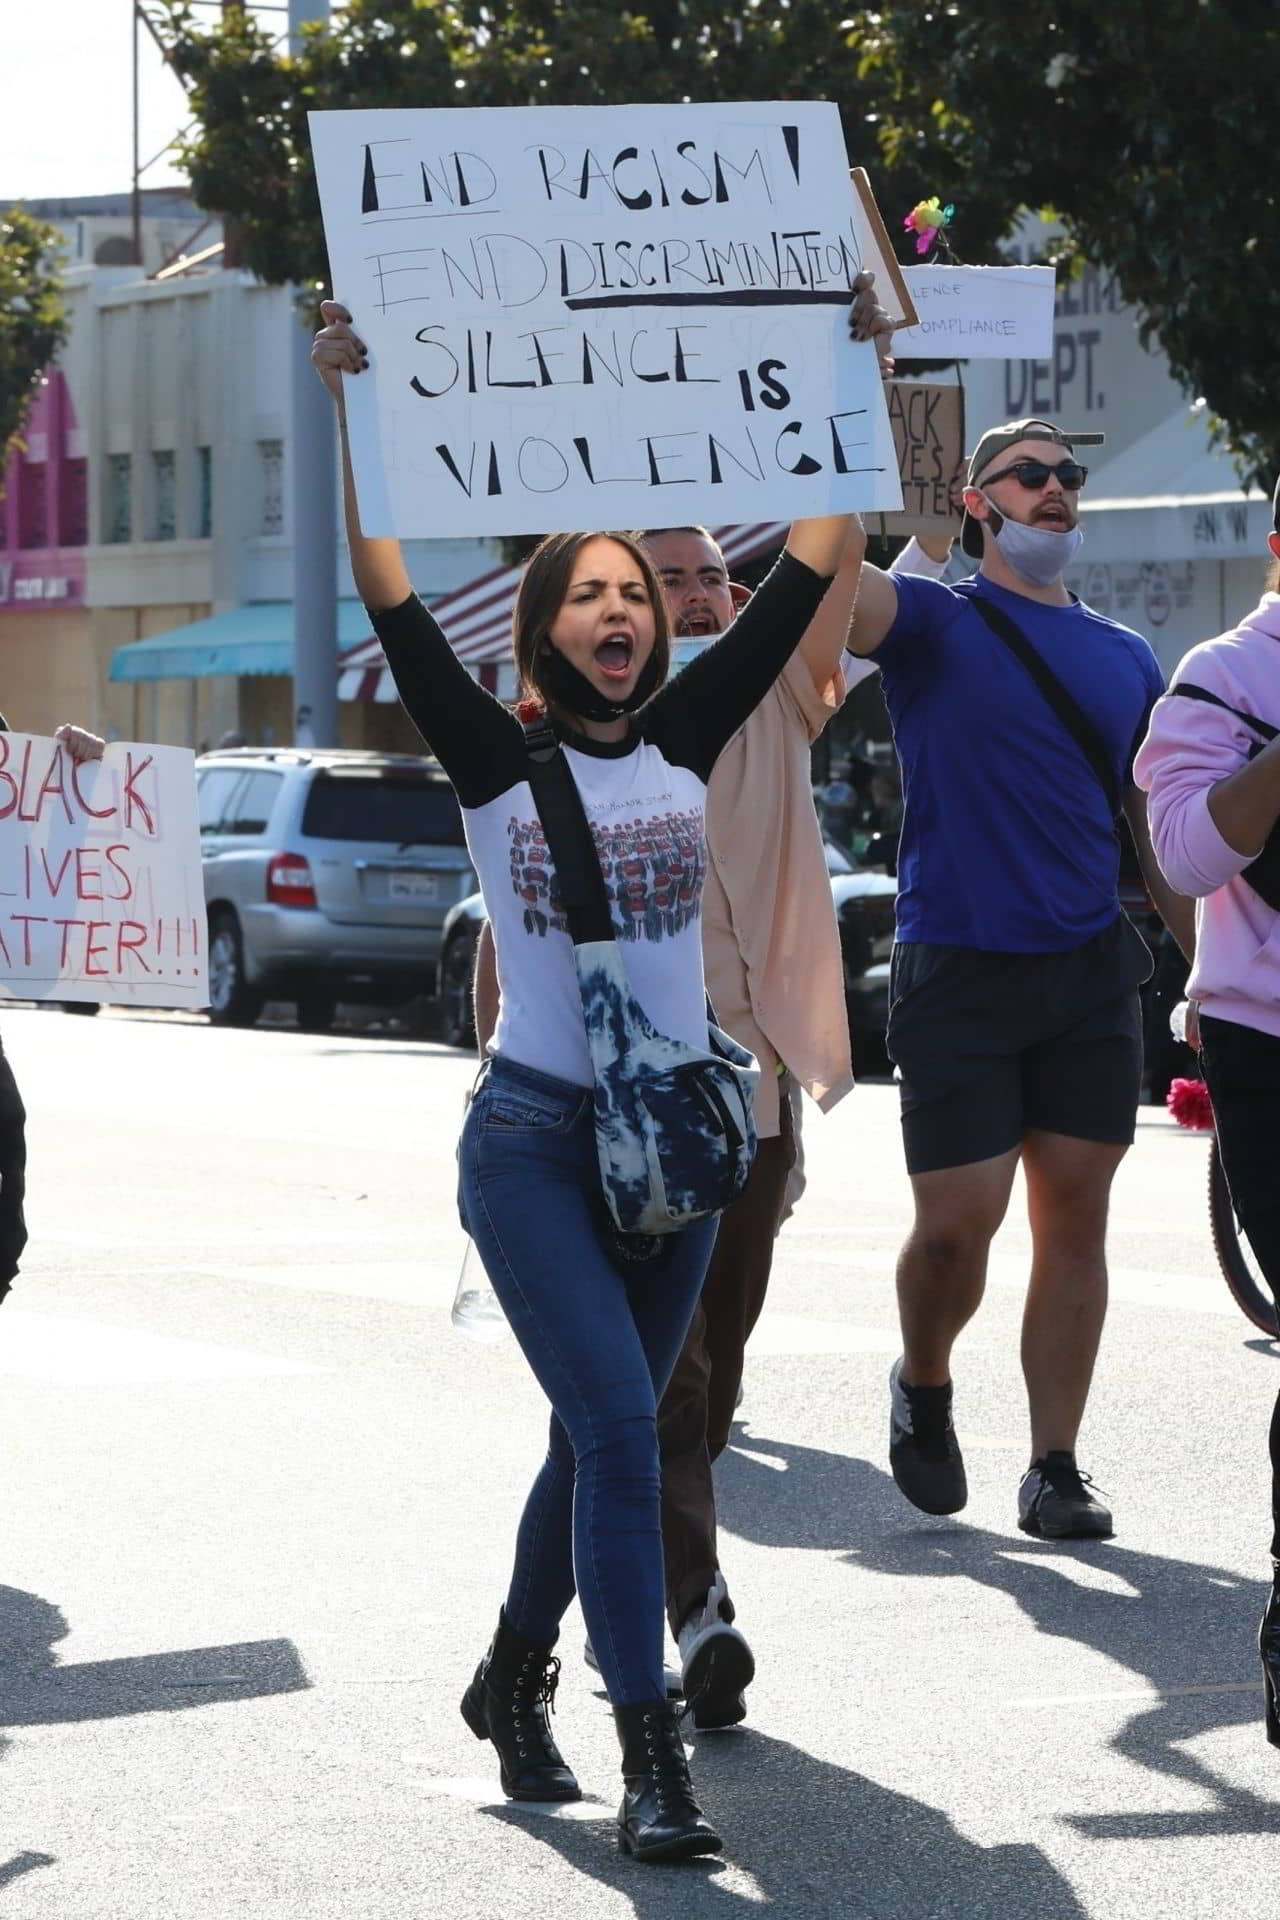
475	1304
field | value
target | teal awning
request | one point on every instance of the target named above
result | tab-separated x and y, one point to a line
254	639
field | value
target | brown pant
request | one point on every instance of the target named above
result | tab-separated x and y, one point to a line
697	1409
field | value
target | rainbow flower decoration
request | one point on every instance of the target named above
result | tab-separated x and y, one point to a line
926	220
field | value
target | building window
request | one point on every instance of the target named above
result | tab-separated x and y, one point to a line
271	456
73	504
164	495
117	521
204	493
33	526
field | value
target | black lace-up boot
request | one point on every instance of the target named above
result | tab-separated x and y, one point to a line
508	1702
659	1818
1269	1648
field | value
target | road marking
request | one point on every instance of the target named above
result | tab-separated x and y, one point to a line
784	1333
486	1793
1126	1695
73	1352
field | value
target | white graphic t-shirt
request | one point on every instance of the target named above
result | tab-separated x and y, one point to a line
644	797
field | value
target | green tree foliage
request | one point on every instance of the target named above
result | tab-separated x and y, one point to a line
1147	128
1144	126
250	157
33	320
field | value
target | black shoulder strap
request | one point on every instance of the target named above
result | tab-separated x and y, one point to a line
1262	727
564	821
1072	715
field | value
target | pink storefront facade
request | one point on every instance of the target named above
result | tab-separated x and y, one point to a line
48	669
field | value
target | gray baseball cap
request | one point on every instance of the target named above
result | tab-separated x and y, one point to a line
998	440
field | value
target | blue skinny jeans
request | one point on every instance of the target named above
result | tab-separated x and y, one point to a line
602	1340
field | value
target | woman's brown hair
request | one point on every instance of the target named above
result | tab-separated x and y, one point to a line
544	588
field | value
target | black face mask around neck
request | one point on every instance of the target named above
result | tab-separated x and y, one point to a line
578	696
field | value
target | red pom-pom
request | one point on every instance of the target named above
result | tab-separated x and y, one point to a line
1189	1103
529	709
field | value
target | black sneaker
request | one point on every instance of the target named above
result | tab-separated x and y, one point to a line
923	1450
1054	1502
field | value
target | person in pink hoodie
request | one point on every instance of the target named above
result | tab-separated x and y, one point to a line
1211	767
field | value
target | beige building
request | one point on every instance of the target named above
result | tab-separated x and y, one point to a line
145	553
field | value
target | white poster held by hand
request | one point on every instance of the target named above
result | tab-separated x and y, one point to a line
978	313
101	892
601	316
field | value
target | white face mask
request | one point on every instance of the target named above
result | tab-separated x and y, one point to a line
1037	554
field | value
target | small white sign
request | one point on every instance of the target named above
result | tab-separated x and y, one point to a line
978	313
602	316
101	893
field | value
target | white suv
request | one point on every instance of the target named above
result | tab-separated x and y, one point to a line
327	877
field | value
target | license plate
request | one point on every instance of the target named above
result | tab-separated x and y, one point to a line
412	886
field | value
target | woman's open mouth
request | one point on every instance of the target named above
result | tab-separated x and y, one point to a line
613	656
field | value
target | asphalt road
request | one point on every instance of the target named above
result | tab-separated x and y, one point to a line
259	1499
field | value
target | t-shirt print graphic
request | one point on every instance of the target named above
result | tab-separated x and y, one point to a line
653	873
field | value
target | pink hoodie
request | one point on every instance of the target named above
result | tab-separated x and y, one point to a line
1189	747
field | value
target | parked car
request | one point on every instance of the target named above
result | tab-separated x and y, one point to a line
327	877
864	912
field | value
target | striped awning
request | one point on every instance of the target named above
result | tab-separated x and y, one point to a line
477	618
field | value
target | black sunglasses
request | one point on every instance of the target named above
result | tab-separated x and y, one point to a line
1034	474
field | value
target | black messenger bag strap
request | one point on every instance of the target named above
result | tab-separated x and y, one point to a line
1069	711
569	842
1263	727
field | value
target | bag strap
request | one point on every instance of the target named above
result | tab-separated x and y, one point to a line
1263	727
1064	704
568	834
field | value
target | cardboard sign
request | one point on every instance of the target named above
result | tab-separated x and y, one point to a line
979	313
101	893
603	316
928	430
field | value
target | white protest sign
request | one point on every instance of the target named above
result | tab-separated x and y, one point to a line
602	316
101	893
978	313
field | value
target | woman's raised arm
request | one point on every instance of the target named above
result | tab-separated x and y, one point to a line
376	565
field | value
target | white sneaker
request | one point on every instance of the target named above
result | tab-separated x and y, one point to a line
716	1663
670	1678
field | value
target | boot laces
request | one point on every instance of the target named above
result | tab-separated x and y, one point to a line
534	1690
673	1785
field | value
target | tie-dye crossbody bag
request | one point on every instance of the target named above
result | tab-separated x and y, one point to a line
674	1129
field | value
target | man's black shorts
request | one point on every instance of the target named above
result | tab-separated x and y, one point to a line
990	1046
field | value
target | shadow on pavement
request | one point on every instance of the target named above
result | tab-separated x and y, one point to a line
35	1691
11	1870
1182	1626
815	1839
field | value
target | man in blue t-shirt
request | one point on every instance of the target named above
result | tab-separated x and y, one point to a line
1014	1017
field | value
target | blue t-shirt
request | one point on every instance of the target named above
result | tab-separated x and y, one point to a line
1007	838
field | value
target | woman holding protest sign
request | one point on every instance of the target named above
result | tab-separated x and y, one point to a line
599	1310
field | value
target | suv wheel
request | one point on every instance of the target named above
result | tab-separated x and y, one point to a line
232	1002
457	966
315	1013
